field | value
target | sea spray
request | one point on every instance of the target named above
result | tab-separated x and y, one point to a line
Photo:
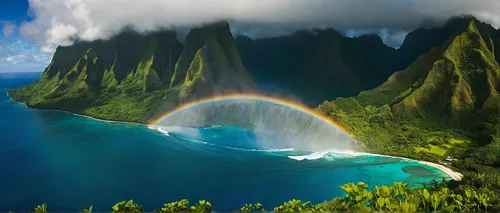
274	123
193	135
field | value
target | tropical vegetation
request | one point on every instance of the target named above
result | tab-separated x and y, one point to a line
135	77
444	108
432	197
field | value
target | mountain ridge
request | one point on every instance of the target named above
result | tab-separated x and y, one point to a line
155	72
446	103
103	80
318	63
468	51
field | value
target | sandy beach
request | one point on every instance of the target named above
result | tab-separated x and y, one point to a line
453	174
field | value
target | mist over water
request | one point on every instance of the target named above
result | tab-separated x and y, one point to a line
274	125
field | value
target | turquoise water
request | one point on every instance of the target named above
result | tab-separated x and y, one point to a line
72	162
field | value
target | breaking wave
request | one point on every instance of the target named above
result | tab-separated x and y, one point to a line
184	138
336	154
195	135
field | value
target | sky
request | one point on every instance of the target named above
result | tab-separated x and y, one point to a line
18	53
32	29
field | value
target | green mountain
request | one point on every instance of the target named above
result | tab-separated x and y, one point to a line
463	82
496	42
422	40
319	65
210	64
457	79
323	65
136	77
446	103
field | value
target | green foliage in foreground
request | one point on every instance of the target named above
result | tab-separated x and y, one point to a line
127	206
89	210
434	197
177	206
41	209
252	208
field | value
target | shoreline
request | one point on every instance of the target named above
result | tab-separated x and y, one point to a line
80	115
457	176
97	119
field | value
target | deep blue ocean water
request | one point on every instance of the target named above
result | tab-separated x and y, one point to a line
71	162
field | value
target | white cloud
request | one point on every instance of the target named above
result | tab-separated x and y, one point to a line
32	30
23	59
8	28
393	38
58	20
22	56
11	58
5	52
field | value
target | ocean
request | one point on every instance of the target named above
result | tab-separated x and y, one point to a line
71	162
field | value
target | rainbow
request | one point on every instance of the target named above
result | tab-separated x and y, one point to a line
269	99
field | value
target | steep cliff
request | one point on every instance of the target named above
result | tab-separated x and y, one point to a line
137	77
319	65
455	81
